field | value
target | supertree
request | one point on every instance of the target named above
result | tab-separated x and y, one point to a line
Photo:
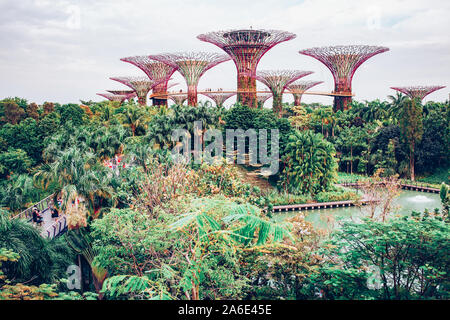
262	98
129	93
155	70
113	97
277	81
219	97
191	65
140	85
246	48
178	98
298	88
343	62
418	91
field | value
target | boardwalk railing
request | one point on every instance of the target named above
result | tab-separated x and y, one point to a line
57	228
404	184
41	206
320	205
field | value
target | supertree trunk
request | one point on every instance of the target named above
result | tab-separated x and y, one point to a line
278	104
298	88
140	85
191	65
342	103
262	98
277	81
156	71
142	100
248	85
192	95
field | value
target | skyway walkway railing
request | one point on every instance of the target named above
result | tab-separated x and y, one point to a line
41	206
51	228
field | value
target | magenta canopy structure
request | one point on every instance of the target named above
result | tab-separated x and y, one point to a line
262	98
140	85
156	71
178	98
419	92
129	93
114	97
219	97
191	65
246	47
299	87
343	61
277	81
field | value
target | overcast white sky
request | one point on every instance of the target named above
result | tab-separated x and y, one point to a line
65	50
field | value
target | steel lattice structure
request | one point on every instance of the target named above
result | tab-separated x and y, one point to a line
343	61
191	65
179	99
155	70
262	98
277	81
246	48
129	93
298	88
140	85
219	97
114	97
418	91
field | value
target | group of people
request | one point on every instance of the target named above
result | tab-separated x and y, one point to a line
37	215
210	90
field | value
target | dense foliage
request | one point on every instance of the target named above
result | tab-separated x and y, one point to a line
142	226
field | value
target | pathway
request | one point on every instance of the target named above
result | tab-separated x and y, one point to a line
50	227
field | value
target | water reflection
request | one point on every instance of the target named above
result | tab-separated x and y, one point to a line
405	203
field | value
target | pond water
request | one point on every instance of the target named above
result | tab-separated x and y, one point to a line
405	203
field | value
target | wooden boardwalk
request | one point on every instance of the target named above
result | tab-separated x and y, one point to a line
404	186
419	188
320	205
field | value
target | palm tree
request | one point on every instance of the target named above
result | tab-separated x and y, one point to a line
395	106
133	117
309	163
20	191
323	114
108	142
160	130
40	261
79	176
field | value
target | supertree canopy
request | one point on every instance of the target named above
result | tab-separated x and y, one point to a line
262	98
191	65
155	71
343	62
129	93
114	97
219	97
298	88
277	81
418	91
178	98
140	85
246	48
